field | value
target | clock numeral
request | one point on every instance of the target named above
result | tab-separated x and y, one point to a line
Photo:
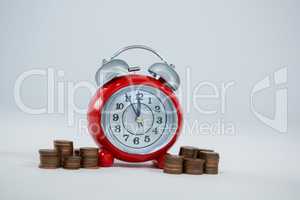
139	96
136	140
157	108
118	128
155	130
147	138
159	120
119	106
126	136
149	100
115	117
127	98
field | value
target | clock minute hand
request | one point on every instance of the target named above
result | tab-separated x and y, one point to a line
138	110
133	108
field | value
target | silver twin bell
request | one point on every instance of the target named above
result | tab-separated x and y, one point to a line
117	67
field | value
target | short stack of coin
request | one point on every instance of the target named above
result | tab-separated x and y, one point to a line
72	162
64	148
211	161
193	166
49	159
89	157
173	164
188	152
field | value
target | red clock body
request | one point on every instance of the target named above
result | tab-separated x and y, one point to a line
134	118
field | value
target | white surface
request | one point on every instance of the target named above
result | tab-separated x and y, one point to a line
23	180
262	166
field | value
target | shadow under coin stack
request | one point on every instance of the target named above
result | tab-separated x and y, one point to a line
64	148
49	159
211	161
173	164
72	162
89	157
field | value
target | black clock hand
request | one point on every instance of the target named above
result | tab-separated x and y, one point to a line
138	110
133	108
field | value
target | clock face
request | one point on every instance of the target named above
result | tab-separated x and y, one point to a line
139	119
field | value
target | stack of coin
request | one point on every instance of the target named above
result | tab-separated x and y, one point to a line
72	162
193	166
49	159
211	162
188	152
64	148
89	157
173	164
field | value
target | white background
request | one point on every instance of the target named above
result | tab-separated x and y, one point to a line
218	41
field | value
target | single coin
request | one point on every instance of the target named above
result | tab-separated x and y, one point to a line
209	155
167	165
73	158
50	162
215	171
63	142
96	167
91	159
205	150
193	161
172	171
89	164
175	159
48	152
72	165
207	165
48	166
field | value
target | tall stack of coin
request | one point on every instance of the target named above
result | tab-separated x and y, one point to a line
193	166
72	162
188	152
173	164
89	157
64	148
211	162
49	159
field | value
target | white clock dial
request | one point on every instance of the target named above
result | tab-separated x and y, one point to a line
139	119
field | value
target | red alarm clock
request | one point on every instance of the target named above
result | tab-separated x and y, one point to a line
134	117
